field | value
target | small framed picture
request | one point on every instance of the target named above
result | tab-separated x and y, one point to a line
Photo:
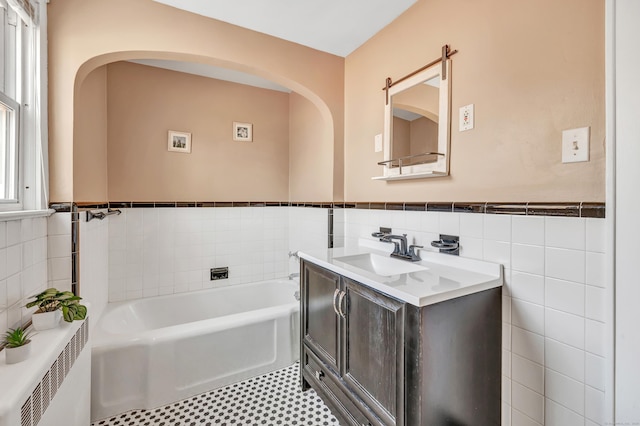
179	142
242	132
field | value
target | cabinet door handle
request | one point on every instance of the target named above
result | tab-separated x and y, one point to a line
319	375
340	312
335	296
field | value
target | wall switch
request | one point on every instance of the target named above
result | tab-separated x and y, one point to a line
575	145
378	142
466	117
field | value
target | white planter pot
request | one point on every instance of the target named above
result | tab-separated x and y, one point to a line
46	320
15	355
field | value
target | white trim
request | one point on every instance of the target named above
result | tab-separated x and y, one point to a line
610	191
441	166
25	214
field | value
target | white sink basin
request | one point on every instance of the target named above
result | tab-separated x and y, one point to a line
385	266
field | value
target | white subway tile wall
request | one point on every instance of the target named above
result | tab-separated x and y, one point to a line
23	268
59	250
171	250
308	231
553	302
553	345
94	264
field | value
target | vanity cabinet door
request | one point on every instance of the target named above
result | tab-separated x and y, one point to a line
373	344
320	324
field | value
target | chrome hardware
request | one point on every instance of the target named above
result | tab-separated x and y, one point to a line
444	245
294	275
297	295
294	254
400	249
411	158
415	257
342	295
335	296
101	215
319	375
448	244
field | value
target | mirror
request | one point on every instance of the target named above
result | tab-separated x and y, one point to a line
415	123
417	129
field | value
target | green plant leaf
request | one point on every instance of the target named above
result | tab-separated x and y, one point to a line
67	314
16	337
81	312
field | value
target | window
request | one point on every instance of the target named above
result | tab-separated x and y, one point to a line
8	149
21	151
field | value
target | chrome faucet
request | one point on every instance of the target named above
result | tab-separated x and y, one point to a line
294	275
400	249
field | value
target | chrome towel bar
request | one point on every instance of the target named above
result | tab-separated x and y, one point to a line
101	215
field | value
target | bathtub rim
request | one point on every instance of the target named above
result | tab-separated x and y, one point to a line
102	339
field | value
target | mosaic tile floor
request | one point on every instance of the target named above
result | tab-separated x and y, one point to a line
271	399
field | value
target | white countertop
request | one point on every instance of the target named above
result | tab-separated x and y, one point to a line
445	277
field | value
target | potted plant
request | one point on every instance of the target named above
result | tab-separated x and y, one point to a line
17	345
52	305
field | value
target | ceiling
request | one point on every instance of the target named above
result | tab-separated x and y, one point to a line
334	26
210	71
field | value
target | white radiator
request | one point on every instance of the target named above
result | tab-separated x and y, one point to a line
52	387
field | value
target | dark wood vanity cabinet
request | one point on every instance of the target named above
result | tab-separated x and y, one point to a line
376	360
353	336
321	324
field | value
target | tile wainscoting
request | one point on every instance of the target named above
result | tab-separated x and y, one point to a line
553	302
35	253
554	256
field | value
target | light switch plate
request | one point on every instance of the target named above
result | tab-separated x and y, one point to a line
466	117
575	145
378	142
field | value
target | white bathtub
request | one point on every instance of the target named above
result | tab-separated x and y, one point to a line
151	352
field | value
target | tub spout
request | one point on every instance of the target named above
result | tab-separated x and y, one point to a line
294	275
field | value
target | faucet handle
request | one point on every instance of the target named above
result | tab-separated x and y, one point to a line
412	252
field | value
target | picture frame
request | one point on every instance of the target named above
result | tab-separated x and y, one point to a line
242	132
179	142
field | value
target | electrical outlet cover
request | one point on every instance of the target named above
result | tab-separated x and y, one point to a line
575	145
466	117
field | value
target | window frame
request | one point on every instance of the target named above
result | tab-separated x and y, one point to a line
12	132
25	84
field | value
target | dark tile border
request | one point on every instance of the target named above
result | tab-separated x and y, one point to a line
469	207
565	209
415	207
75	250
439	207
91	206
555	209
506	208
594	210
61	207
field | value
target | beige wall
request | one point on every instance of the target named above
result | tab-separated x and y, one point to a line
532	68
86	34
146	102
90	139
310	157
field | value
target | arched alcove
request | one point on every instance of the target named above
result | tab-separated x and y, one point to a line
123	111
85	35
